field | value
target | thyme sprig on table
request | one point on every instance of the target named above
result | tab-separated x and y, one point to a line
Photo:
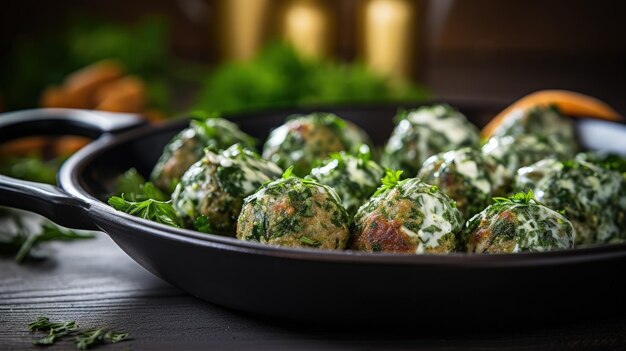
99	336
83	340
55	330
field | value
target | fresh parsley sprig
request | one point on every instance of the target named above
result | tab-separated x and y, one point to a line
203	225
135	187
142	199
518	198
524	198
288	173
150	209
390	180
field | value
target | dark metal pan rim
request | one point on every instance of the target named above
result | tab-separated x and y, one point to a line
68	176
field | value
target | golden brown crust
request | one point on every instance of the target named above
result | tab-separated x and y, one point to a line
381	234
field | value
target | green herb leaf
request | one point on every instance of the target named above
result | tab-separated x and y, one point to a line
431	229
41	323
288	173
281	77
33	168
129	182
391	179
310	242
201	115
135	188
55	330
153	210
330	120
99	336
364	153
115	337
89	339
518	198
202	224
45	341
570	164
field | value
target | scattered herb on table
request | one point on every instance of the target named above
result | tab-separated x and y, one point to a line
95	337
84	340
55	330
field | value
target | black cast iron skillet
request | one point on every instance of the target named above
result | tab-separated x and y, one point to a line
310	285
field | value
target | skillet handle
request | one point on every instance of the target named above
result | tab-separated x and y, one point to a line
47	200
64	121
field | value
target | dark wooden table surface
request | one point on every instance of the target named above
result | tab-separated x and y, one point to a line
96	284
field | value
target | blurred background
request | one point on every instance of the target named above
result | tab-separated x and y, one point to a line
163	58
236	54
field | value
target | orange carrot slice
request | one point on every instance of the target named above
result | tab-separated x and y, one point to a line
569	103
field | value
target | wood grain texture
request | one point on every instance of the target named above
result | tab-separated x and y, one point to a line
96	284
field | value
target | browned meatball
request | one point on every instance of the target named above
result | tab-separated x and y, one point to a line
302	140
409	216
295	212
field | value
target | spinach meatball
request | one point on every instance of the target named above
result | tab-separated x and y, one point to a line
594	198
187	147
407	216
541	120
424	132
608	161
303	140
295	212
466	176
354	177
518	224
216	185
528	177
517	151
